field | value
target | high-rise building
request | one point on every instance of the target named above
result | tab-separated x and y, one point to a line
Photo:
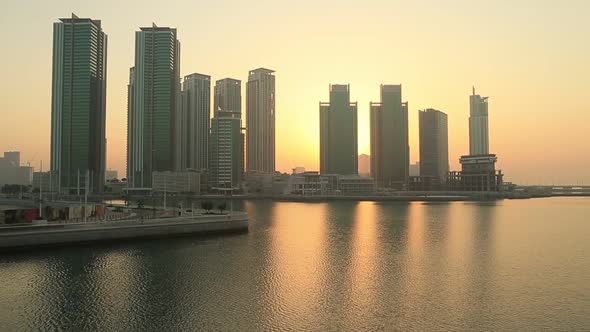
196	111
390	151
78	103
434	144
226	141
154	106
338	133
478	125
131	153
260	121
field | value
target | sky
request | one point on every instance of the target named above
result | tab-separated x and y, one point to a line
529	56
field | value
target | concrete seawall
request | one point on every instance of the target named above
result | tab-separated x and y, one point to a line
33	236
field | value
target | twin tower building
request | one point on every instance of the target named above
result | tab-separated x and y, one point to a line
169	124
390	155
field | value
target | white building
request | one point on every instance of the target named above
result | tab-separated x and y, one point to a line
478	125
312	183
307	183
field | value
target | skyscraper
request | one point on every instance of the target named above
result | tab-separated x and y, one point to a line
434	144
260	121
226	143
154	120
390	156
196	109
78	103
478	125
338	133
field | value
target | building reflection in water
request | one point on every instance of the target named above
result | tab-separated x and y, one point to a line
297	261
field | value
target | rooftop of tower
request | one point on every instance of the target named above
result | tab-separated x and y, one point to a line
197	75
339	87
76	19
154	27
229	80
391	87
262	70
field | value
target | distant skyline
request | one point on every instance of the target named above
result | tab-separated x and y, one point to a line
529	58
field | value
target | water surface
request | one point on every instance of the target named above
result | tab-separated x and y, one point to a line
520	265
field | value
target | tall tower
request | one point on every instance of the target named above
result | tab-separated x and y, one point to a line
338	133
196	110
434	144
260	121
226	143
478	125
154	121
390	157
132	156
78	104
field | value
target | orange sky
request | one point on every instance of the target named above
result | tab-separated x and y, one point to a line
529	57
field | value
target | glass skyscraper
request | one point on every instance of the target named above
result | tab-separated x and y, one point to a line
260	121
226	143
196	114
338	133
390	160
154	106
78	105
434	144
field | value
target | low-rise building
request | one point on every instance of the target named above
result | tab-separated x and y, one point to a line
478	174
265	184
115	186
179	182
111	174
307	183
312	183
356	185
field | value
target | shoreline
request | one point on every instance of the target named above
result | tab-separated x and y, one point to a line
16	238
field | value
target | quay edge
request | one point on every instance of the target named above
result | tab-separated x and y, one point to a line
52	235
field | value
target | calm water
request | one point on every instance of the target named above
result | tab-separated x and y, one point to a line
521	265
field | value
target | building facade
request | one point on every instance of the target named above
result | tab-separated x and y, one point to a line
478	173
434	145
478	125
178	182
196	112
338	133
154	106
260	121
78	102
226	141
390	150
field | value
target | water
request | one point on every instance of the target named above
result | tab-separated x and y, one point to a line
520	265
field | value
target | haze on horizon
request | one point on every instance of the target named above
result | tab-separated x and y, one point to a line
529	57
